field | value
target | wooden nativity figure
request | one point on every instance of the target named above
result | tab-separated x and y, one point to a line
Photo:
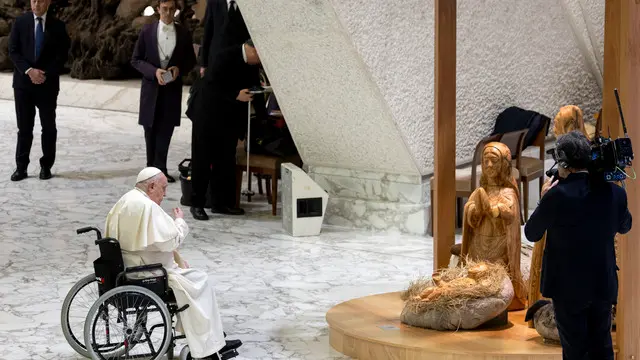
491	219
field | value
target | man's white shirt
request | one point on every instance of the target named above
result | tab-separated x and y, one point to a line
166	42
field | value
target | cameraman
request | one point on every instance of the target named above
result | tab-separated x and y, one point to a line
579	274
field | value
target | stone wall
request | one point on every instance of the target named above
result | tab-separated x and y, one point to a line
510	53
103	33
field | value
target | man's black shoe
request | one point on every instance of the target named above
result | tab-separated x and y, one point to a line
19	175
227	211
199	214
45	174
170	178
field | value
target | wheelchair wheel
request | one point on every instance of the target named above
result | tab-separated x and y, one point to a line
128	322
75	307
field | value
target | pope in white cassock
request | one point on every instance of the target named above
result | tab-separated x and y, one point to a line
148	235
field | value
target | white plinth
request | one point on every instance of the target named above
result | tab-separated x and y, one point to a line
303	202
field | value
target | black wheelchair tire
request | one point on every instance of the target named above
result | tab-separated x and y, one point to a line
76	341
161	306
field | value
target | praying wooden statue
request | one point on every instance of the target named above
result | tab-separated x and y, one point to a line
491	220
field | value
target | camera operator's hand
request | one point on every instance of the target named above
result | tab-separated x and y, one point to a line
548	186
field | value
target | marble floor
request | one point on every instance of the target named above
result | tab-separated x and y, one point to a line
273	290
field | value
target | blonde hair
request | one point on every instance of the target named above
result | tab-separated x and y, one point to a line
569	118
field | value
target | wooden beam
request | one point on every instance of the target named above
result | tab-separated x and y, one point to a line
622	70
445	132
610	118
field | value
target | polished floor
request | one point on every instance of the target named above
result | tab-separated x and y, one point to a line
273	290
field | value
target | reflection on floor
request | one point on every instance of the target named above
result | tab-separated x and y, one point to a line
274	290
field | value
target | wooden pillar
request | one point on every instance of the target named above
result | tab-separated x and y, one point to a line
622	71
610	117
445	132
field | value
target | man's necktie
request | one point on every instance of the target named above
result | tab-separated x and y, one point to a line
39	37
232	8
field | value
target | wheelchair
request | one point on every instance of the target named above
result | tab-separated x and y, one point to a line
130	310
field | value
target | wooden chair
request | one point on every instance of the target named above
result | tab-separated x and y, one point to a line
263	165
515	141
467	179
532	168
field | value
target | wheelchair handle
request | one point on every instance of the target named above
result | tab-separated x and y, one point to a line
89	228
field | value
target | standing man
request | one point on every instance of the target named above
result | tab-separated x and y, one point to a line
38	48
228	66
581	215
162	47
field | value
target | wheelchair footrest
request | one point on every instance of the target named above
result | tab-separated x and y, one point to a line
229	354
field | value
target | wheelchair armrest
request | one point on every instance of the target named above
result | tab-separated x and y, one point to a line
142	268
101	241
145	268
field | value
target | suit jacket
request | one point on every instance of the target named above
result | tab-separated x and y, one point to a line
146	59
219	32
52	58
581	217
226	71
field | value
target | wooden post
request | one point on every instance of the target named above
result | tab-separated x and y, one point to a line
445	132
622	70
610	117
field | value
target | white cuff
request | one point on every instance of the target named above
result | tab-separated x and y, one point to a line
244	54
29	69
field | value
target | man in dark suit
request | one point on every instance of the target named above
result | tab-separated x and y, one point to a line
38	47
581	215
162	47
229	69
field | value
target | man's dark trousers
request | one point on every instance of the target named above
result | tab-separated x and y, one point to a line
158	136
584	328
213	152
26	102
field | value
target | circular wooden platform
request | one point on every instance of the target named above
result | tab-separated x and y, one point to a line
370	328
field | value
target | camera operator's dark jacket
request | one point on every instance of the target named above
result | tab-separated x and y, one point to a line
581	221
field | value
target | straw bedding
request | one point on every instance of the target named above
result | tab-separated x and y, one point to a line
458	298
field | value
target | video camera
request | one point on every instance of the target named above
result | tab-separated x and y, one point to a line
609	158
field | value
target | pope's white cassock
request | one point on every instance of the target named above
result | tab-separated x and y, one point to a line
148	235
